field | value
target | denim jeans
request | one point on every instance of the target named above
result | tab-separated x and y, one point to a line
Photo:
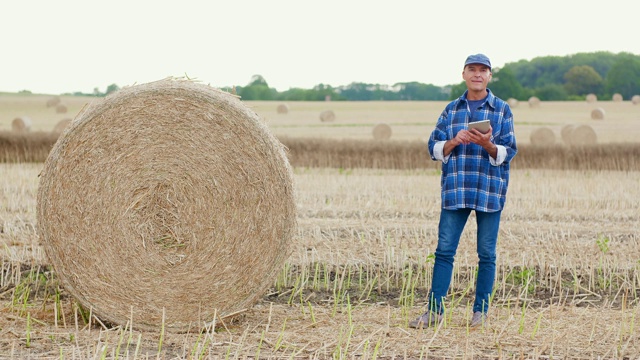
452	223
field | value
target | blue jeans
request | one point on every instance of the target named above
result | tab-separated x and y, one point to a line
452	223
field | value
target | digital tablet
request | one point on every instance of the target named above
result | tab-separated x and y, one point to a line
482	126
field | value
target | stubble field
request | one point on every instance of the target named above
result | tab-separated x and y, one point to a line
568	266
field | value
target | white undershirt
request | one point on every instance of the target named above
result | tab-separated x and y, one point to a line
438	153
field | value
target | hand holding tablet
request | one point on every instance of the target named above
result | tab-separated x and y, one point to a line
482	126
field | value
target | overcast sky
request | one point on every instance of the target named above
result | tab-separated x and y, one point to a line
71	45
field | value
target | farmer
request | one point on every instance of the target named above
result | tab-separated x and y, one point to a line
475	176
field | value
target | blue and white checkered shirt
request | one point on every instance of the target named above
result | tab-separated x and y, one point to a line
470	177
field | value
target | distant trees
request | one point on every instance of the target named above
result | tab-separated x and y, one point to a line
624	77
583	80
569	77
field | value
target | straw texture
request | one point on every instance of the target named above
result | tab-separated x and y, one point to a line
166	203
382	131
617	97
591	98
635	99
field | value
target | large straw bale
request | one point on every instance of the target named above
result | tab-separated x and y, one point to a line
597	114
382	131
635	99
53	101
168	204
21	124
583	135
542	136
282	109
512	102
565	133
617	97
327	115
61	125
591	98
534	101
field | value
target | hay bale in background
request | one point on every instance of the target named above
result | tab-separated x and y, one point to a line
534	101
61	125
53	101
382	131
512	102
597	114
282	109
635	99
617	97
591	98
21	124
327	115
565	133
543	137
583	135
61	109
167	204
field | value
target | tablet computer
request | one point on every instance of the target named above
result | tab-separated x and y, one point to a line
482	125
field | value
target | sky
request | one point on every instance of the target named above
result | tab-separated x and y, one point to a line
64	46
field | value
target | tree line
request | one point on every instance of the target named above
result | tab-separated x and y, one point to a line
550	78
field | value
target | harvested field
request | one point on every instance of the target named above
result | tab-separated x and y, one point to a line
568	280
360	270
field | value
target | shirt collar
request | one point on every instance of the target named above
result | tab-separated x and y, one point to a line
489	100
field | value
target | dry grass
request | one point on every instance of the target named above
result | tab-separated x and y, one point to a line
582	152
360	271
26	147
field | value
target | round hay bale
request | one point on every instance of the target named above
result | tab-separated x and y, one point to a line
542	137
565	133
617	97
583	135
61	109
534	101
635	99
21	124
282	109
61	125
168	204
591	98
597	114
512	102
53	101
327	115
382	131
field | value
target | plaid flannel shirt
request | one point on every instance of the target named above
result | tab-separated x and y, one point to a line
470	177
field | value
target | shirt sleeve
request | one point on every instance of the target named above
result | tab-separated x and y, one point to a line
502	154
438	152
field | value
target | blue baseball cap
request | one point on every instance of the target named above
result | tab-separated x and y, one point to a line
478	59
